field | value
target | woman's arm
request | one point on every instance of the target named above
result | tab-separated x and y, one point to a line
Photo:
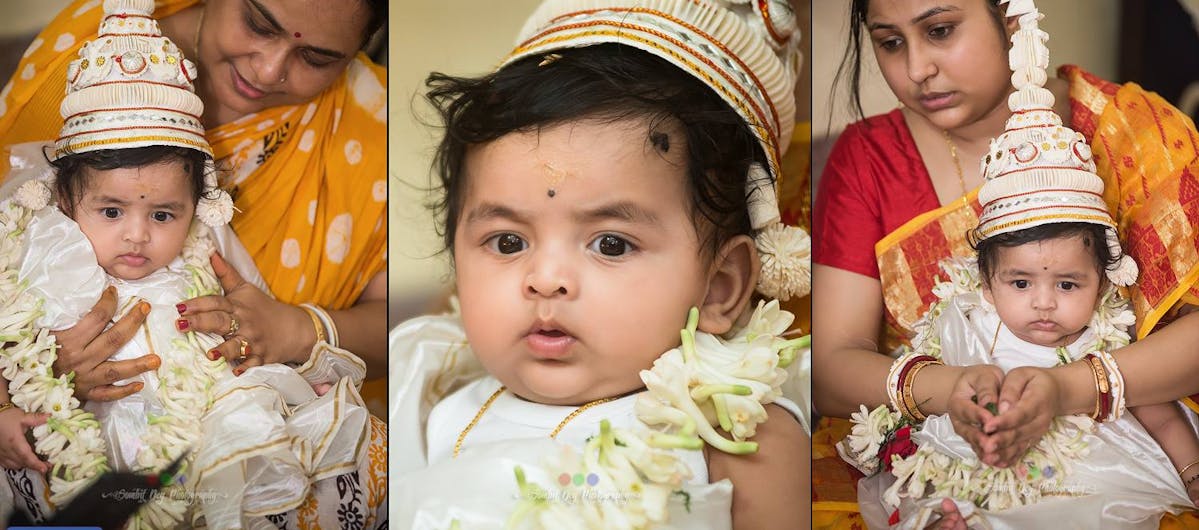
848	369
363	327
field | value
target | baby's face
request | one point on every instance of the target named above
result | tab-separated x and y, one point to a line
136	218
1045	291
576	258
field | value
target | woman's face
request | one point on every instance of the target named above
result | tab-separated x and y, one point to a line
944	59
257	54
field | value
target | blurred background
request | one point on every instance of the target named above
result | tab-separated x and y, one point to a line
457	37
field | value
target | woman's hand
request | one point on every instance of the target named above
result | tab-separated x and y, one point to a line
258	329
86	347
15	452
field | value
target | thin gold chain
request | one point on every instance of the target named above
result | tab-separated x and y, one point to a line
196	40
496	394
957	164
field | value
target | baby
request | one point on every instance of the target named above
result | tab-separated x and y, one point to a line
595	195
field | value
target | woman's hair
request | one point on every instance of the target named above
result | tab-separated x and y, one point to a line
851	60
378	16
1094	238
608	82
71	175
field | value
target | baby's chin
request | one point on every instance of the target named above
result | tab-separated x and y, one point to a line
567	389
121	273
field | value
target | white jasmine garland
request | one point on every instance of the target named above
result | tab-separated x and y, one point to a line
70	440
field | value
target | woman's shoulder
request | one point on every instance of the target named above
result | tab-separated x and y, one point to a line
878	126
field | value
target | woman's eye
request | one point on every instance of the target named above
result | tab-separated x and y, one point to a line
889	44
110	213
256	27
610	245
162	217
1020	284
316	60
940	32
507	243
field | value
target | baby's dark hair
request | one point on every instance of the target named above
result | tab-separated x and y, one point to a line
71	178
608	82
1094	237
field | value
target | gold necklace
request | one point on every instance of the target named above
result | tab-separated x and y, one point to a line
553	434
957	164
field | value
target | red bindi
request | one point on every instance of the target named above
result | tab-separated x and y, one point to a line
297	34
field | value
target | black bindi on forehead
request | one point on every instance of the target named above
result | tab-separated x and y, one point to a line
660	140
142	197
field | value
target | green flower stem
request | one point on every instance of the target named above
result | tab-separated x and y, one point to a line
722	412
688	335
674	441
703	392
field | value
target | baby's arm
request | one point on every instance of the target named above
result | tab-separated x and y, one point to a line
1167	424
771	488
15	451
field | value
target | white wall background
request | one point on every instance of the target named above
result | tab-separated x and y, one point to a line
457	37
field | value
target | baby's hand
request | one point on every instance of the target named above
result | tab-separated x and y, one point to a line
15	451
951	518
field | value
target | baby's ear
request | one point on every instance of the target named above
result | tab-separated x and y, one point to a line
732	279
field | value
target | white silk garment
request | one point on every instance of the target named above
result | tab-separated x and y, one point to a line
437	386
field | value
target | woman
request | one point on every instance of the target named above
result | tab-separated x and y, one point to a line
297	116
904	178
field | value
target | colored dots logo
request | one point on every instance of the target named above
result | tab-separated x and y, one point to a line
577	479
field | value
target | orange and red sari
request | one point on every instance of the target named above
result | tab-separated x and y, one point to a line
1148	153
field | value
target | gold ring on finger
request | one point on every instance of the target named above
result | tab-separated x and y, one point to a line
243	350
234	325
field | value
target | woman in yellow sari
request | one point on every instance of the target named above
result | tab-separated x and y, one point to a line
296	116
896	198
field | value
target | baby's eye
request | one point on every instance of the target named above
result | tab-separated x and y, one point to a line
162	217
1020	284
610	245
110	213
1067	286
507	243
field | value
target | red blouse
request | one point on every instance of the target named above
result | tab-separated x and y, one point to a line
873	183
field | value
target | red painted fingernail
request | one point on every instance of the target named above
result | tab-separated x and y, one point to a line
213	355
181	308
181	324
238	371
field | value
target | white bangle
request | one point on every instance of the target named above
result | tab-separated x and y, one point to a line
326	322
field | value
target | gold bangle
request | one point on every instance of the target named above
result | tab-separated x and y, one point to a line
316	324
1180	473
909	400
6	405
